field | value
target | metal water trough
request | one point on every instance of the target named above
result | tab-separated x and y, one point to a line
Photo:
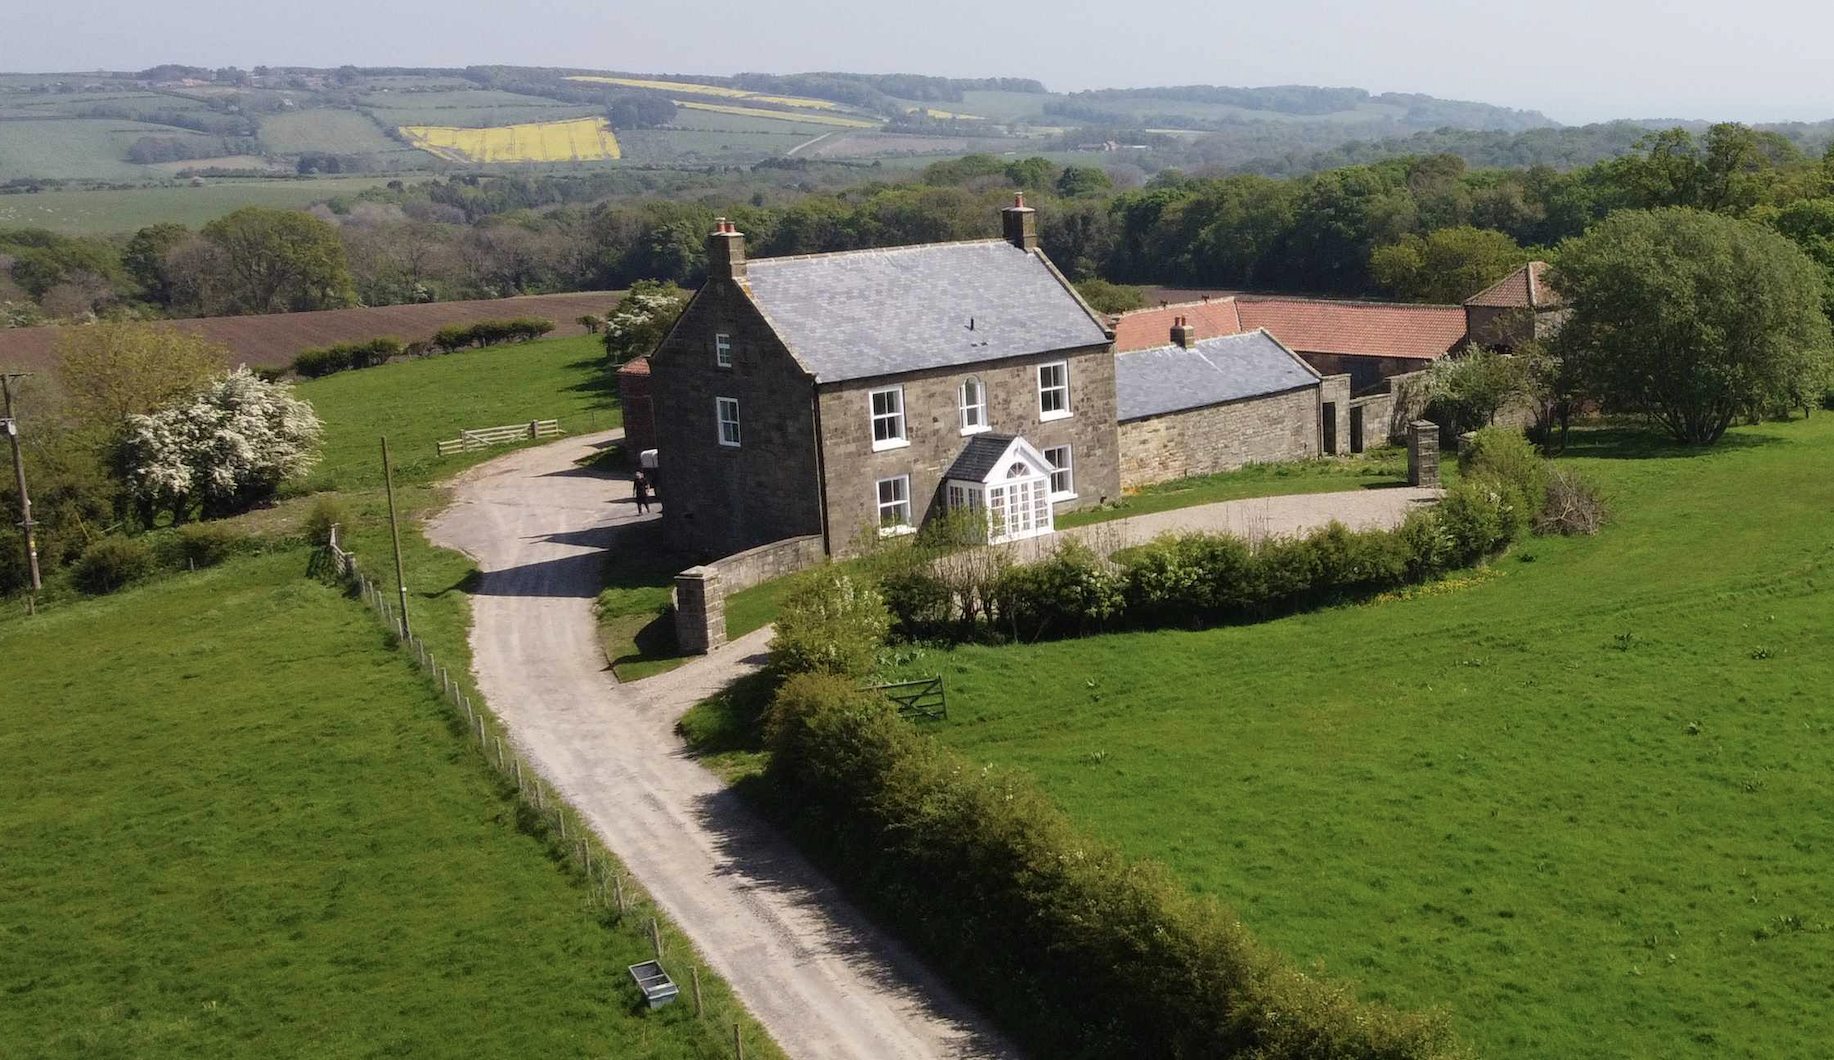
658	989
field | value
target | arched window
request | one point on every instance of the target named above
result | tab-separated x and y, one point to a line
973	405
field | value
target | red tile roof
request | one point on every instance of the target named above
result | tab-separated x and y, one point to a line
1369	329
1145	329
635	366
1526	287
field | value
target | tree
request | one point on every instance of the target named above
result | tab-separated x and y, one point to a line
1446	266
1471	388
636	327
111	371
144	257
223	450
1083	180
1692	318
1032	174
276	261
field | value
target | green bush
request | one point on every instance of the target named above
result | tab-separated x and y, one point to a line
1480	515
921	606
111	563
1071	592
201	545
316	363
453	337
325	513
830	624
1505	455
989	877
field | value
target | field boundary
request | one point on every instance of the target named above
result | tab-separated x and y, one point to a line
613	894
484	437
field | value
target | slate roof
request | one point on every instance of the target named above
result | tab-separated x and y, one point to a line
1524	288
979	456
1369	329
865	313
1225	368
1149	328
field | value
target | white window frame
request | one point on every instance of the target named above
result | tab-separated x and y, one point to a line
722	421
1067	469
1061	388
902	438
903	500
977	408
722	350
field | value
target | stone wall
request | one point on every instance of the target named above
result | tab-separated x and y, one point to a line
1334	394
1221	437
720	499
700	592
1366	373
932	414
1386	413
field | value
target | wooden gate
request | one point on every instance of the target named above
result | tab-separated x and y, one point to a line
924	699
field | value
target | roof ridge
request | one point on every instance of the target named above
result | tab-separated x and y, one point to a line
1250	333
1221	300
1376	303
755	262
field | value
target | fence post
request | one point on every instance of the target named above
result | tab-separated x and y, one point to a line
618	879
656	936
518	774
694	974
738	1042
532	424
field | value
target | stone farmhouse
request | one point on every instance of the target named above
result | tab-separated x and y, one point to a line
826	398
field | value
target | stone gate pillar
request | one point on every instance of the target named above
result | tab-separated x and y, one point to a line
1423	453
700	610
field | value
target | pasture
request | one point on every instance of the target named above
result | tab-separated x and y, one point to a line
248	828
1581	799
106	211
836	120
79	148
689	88
329	130
476	108
577	140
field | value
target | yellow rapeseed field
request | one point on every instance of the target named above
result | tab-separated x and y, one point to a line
689	88
578	140
760	112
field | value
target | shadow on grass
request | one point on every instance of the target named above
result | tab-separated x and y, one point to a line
730	721
1650	443
597	378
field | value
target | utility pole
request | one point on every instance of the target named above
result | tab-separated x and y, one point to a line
394	529
11	426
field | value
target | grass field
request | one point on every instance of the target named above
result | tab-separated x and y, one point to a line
1583	802
79	148
578	140
478	108
107	211
690	145
836	120
326	129
716	91
249	829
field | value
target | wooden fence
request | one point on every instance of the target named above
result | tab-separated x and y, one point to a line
484	437
918	698
608	889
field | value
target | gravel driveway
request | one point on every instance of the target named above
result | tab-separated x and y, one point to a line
822	980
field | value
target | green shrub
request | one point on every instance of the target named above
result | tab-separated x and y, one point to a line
830	624
316	363
1480	515
111	563
325	513
201	545
1071	592
988	876
1507	456
921	606
453	337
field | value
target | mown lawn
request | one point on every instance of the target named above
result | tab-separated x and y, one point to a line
236	823
1370	470
1587	805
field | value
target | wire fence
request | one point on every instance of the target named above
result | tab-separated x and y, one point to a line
611	893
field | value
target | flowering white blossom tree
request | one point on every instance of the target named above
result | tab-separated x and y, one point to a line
641	320
222	450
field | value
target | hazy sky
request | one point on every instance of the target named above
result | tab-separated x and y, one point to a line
1575	60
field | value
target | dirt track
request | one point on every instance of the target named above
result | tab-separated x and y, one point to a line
823	981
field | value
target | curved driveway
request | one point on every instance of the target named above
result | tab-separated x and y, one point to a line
823	981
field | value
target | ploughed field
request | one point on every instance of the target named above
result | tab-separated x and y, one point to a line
1584	799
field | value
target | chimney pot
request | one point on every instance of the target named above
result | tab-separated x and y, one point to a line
1019	224
726	252
1183	333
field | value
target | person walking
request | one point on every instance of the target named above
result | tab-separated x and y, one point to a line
641	489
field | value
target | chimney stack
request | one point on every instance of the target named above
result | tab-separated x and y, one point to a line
1183	333
1019	223
725	252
